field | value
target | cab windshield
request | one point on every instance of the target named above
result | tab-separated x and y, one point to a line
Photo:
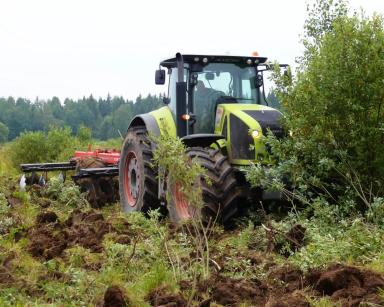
228	80
221	83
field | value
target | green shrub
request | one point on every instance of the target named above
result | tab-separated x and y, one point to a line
84	134
57	144
333	109
66	194
375	213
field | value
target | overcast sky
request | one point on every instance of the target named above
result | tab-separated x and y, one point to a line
74	48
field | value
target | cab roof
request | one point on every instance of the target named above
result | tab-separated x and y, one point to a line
206	59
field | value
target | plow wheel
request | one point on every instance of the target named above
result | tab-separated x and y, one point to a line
138	185
220	198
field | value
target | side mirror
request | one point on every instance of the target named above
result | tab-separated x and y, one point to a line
160	76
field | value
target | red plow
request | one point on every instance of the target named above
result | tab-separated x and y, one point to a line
95	171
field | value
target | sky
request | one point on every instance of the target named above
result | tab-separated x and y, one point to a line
75	48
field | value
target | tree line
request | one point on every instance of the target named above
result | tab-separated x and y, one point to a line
105	117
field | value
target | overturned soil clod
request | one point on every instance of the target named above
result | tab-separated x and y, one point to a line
49	237
162	297
286	276
46	241
347	284
46	217
229	292
115	297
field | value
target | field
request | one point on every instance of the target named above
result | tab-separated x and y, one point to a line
56	250
322	247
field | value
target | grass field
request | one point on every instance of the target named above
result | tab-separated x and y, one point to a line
55	250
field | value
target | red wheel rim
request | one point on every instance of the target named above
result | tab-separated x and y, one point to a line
131	179
181	204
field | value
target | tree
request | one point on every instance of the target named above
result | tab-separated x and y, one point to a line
334	106
4	131
84	134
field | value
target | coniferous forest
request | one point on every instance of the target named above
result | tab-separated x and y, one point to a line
104	116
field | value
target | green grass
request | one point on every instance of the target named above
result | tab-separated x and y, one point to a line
159	256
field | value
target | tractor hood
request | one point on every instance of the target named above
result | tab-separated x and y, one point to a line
245	127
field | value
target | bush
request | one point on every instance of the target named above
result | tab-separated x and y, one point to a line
84	134
66	194
333	109
57	144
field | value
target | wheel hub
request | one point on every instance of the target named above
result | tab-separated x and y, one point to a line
132	179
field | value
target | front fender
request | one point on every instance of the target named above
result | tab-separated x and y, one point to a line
157	122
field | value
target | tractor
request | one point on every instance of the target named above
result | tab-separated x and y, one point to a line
216	105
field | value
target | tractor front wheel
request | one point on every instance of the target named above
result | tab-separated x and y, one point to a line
137	180
220	193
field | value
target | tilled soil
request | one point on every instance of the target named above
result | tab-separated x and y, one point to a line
286	286
115	297
162	297
347	284
229	292
49	237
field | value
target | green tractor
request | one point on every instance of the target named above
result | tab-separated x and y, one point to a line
217	106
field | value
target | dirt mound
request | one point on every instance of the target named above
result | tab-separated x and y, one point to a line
229	292
46	217
347	284
46	240
114	297
162	297
49	237
290	279
87	229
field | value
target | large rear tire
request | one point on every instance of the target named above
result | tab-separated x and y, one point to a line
221	196
137	180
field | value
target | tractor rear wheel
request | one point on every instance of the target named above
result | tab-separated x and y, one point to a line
220	192
137	180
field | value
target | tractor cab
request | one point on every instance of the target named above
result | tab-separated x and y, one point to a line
221	95
205	82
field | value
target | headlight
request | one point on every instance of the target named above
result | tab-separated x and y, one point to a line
255	134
